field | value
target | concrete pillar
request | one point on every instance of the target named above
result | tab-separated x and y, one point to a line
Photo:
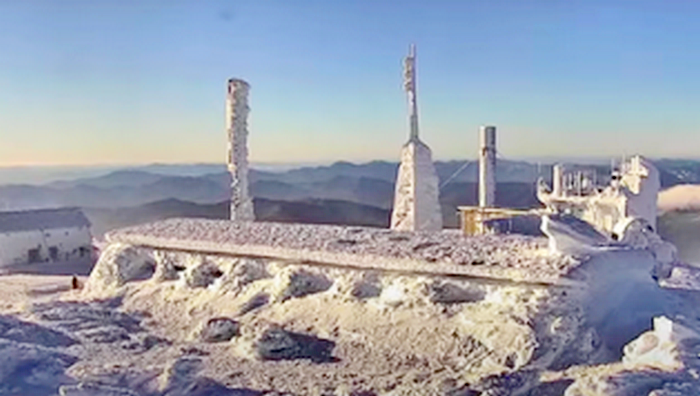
487	166
237	159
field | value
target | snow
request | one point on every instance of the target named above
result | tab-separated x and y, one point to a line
416	203
188	307
408	331
572	236
511	258
237	129
120	263
632	194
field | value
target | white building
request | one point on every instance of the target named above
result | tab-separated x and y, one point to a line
631	195
46	235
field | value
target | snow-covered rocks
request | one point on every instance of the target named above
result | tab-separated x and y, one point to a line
219	330
279	344
120	263
661	347
302	283
662	361
380	322
202	275
393	312
450	293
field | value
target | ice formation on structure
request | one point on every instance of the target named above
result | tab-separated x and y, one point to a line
237	130
632	194
416	204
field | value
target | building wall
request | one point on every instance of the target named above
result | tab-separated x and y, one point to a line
15	246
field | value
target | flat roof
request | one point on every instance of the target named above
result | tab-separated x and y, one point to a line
42	219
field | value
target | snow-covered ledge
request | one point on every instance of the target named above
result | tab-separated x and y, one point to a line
505	258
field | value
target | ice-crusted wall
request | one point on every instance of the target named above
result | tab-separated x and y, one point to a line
237	130
416	203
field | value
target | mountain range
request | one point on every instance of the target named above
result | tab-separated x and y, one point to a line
301	194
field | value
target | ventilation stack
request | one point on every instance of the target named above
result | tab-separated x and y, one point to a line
487	167
558	180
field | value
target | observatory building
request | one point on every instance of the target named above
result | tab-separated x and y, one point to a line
416	200
35	236
631	196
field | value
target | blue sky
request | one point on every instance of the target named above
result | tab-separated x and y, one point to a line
126	81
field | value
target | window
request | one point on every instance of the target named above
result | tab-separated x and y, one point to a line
33	255
53	253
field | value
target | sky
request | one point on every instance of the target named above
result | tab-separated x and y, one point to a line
131	82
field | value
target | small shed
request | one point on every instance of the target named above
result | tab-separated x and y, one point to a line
45	235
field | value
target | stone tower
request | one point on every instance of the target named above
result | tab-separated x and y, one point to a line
237	159
416	204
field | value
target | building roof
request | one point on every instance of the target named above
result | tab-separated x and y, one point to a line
43	219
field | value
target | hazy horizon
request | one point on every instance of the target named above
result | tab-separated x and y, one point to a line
108	83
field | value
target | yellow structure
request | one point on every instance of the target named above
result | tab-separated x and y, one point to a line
473	218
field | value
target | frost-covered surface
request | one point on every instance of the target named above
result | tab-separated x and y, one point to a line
237	129
351	330
517	258
571	235
633	193
661	361
416	200
222	322
360	329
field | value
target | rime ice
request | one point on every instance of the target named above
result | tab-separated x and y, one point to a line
416	203
237	159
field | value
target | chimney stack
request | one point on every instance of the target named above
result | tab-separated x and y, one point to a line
487	167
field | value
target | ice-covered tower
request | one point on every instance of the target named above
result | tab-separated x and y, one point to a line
558	180
487	166
416	204
237	160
